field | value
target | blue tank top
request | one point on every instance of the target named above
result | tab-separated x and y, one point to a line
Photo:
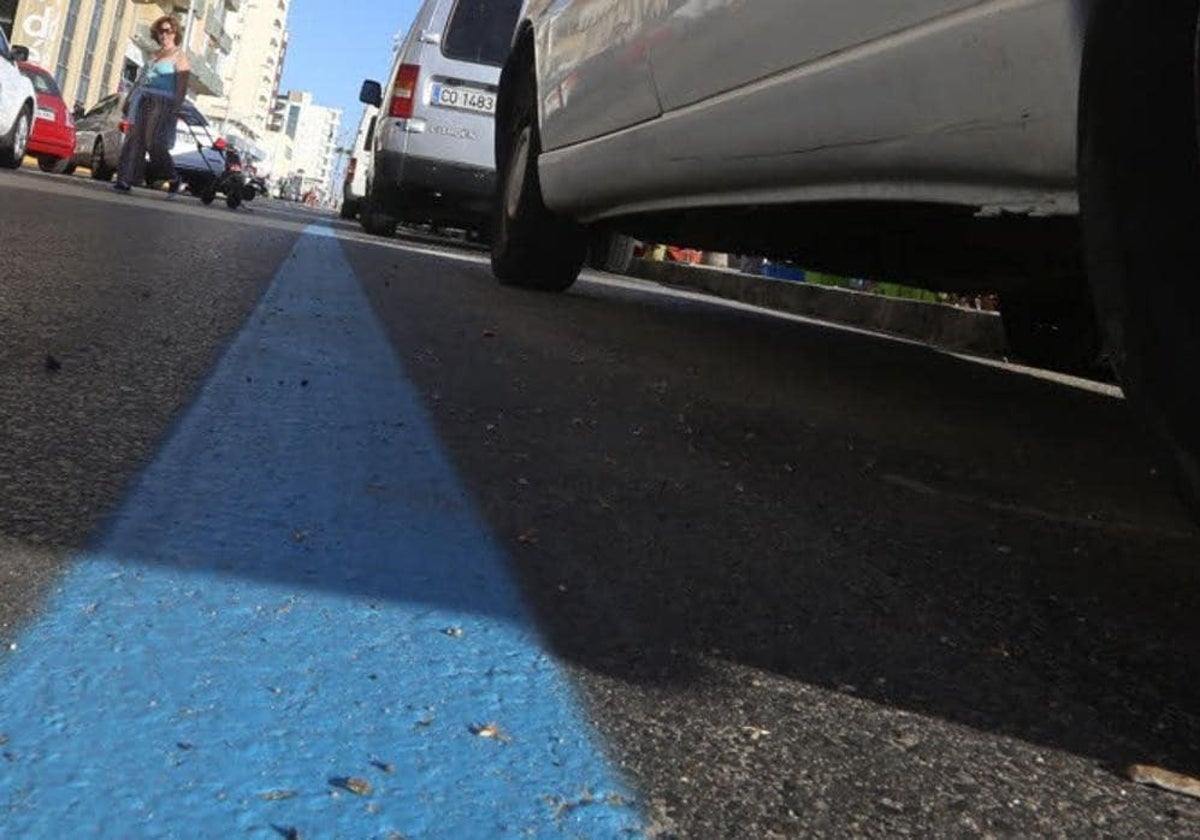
160	77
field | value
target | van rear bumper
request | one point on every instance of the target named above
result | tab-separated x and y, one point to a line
441	191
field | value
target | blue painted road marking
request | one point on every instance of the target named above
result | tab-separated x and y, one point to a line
276	609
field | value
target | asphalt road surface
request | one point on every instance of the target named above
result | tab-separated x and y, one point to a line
801	581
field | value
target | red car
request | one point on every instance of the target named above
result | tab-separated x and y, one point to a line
53	139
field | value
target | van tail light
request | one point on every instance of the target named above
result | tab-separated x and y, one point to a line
124	126
404	91
351	168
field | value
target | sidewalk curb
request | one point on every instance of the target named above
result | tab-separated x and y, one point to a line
948	327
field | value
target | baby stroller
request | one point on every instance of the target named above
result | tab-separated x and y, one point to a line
231	181
215	168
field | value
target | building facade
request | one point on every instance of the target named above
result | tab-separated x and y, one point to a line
251	75
97	47
304	149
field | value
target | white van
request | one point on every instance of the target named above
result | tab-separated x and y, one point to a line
433	156
354	184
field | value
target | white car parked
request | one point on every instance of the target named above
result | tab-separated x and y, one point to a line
18	105
354	184
1043	149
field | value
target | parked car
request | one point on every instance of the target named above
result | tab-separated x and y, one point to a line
52	141
198	154
100	133
432	156
17	105
354	185
1046	150
98	137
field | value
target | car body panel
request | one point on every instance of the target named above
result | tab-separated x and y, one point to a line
759	39
595	74
354	187
976	107
54	132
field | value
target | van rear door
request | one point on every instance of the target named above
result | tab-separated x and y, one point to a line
459	69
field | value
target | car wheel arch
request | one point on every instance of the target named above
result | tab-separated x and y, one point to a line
1139	164
523	53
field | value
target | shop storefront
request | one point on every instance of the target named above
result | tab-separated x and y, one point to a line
38	25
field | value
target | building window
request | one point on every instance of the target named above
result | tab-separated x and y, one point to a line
64	48
89	53
293	121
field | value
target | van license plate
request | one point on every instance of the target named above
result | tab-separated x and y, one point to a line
464	99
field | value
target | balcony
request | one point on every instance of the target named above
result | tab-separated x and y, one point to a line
180	7
214	25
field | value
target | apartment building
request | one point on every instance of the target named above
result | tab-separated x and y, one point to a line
96	47
304	150
251	75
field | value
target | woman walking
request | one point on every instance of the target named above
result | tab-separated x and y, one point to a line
154	106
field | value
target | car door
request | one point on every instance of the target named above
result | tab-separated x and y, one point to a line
594	72
701	48
9	85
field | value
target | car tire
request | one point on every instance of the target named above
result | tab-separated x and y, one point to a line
532	247
208	195
1053	325
612	252
52	164
13	144
100	169
1139	165
233	199
377	222
349	210
68	168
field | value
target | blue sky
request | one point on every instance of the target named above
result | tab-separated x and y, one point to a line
335	44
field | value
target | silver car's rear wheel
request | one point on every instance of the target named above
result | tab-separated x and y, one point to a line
1139	164
100	169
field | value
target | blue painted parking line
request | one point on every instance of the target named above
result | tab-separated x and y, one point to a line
297	622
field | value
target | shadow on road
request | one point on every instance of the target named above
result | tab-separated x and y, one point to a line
934	535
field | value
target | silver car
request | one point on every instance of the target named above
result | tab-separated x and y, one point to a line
432	153
1043	149
100	133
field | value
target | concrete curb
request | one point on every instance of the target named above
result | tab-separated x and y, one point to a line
948	327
